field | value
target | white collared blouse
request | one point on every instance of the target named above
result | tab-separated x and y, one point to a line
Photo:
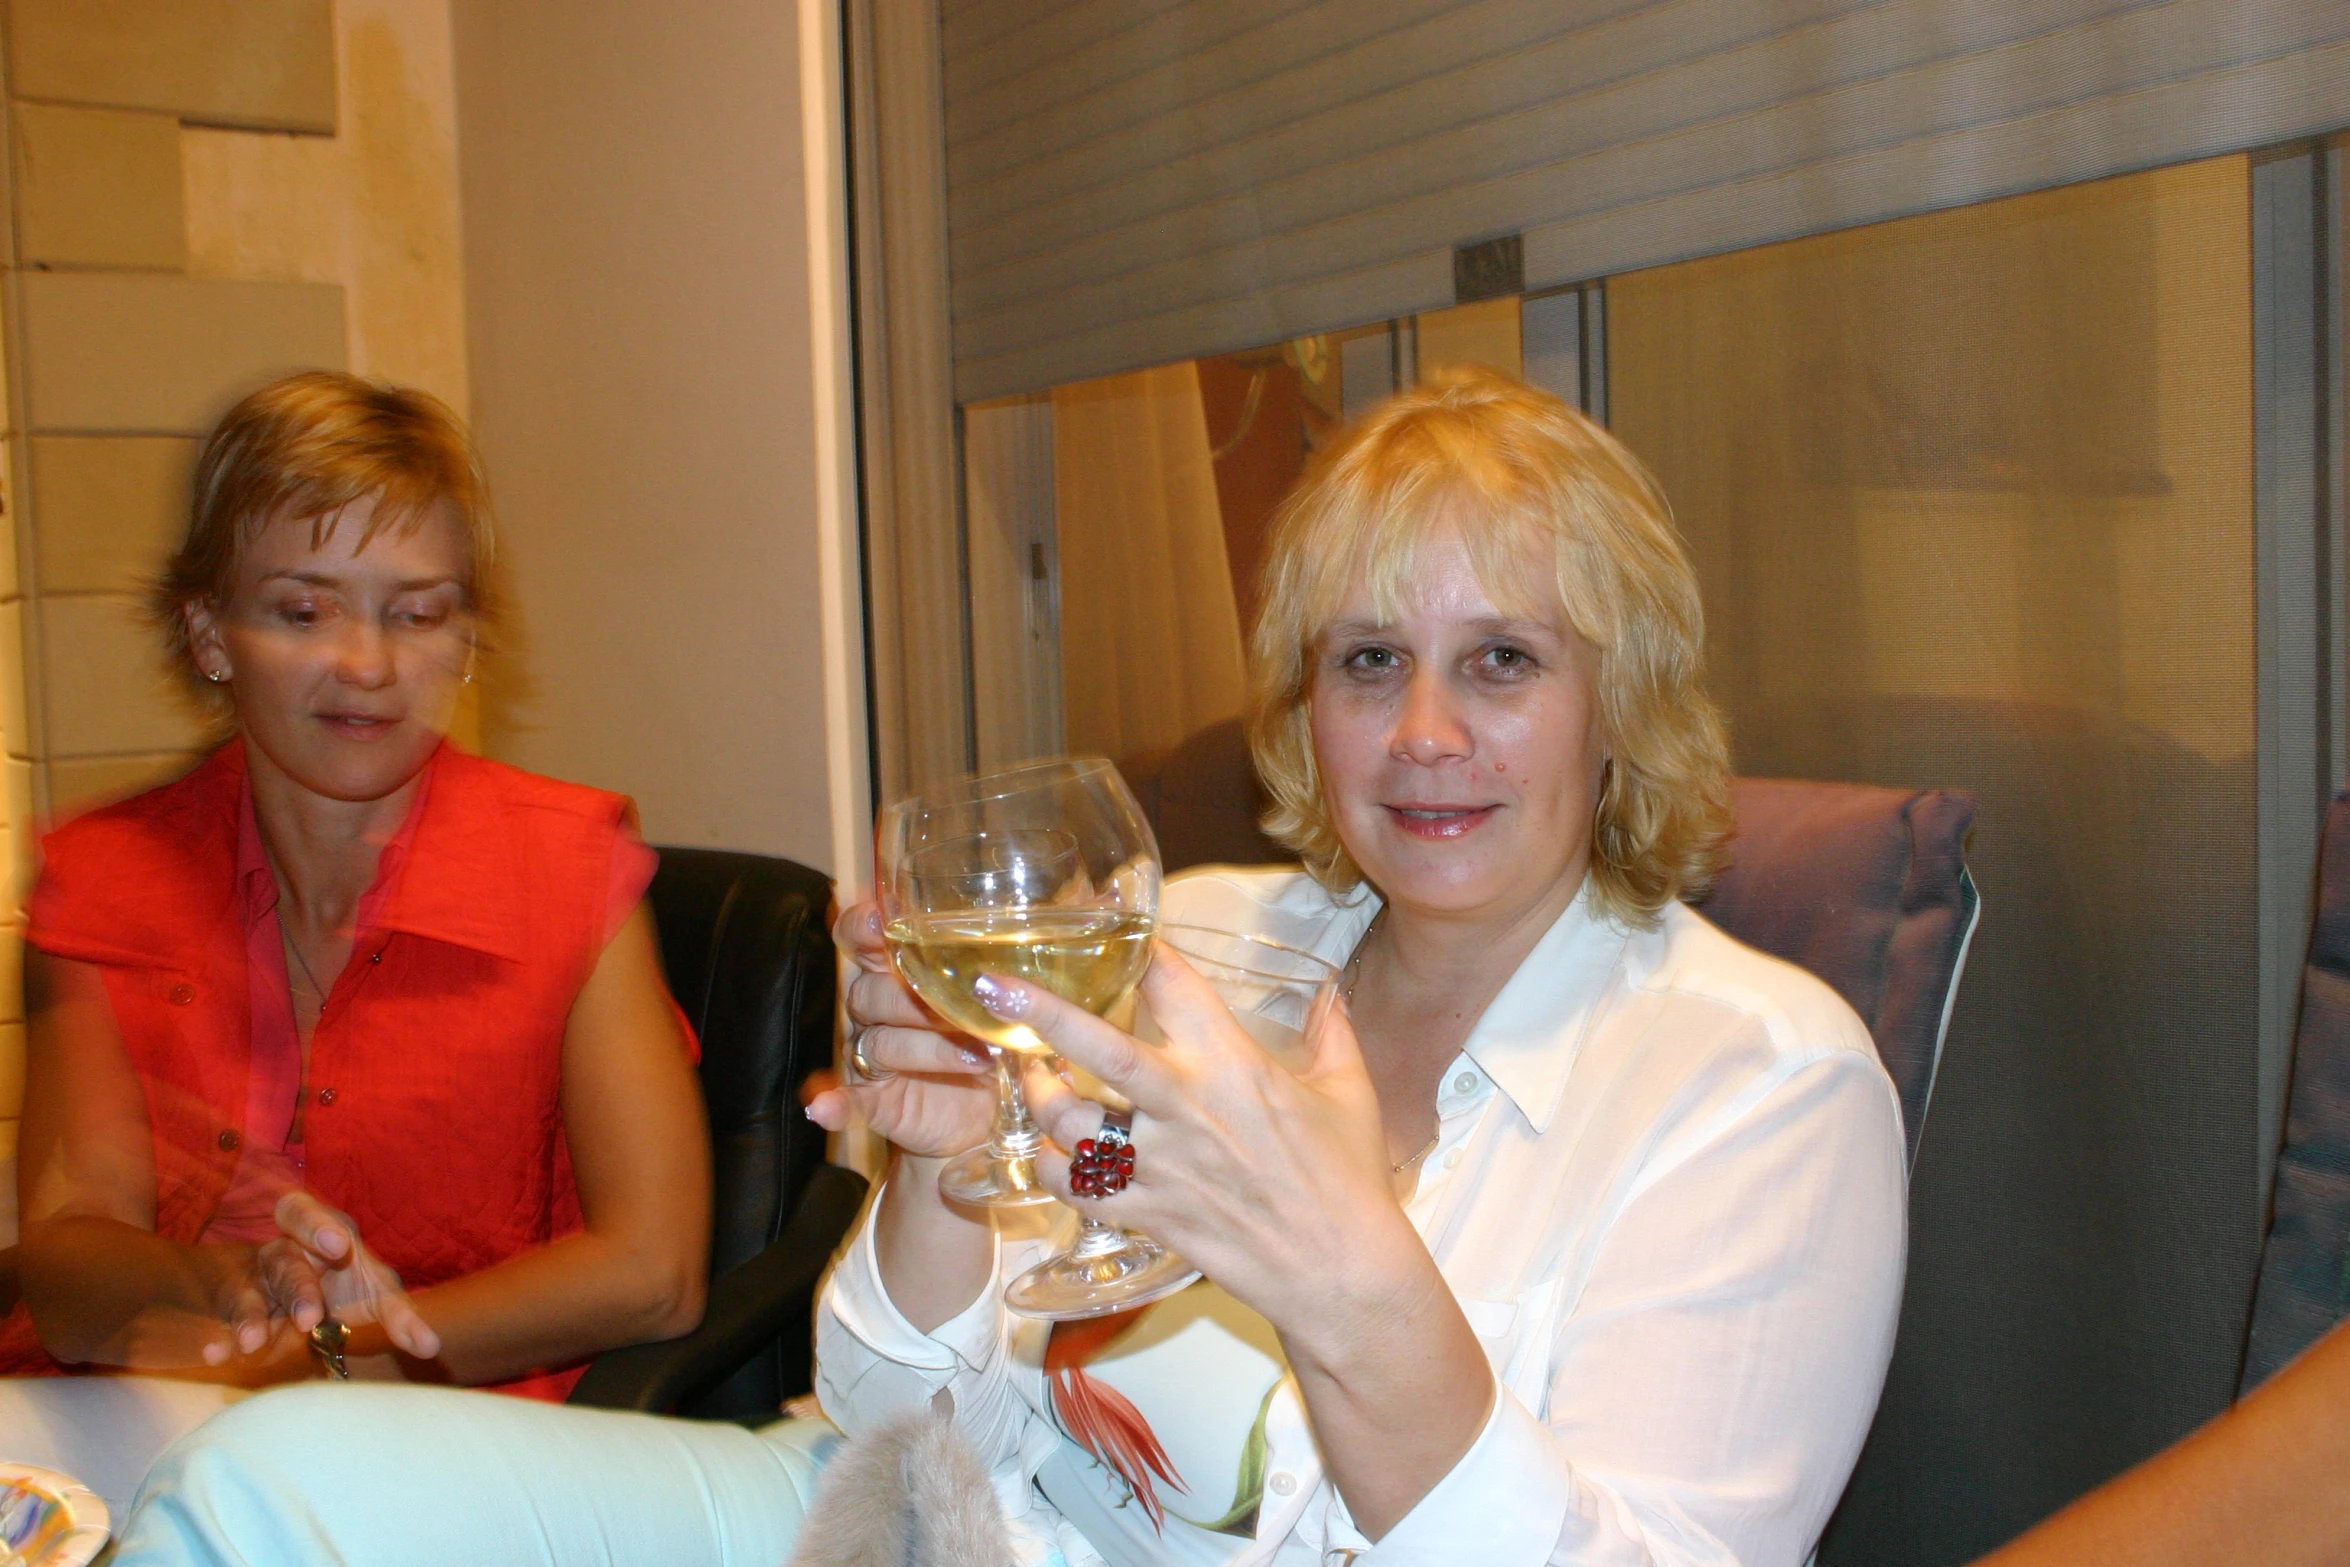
1668	1192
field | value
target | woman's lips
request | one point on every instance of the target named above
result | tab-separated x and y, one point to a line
1440	821
358	726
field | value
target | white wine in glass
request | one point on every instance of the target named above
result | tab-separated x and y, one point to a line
1090	956
1045	872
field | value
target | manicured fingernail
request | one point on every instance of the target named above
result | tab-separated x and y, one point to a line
972	1054
998	997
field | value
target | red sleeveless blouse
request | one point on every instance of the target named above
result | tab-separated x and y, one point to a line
435	1118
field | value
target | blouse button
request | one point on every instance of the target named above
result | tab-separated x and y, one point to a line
228	1141
375	957
1452	1161
326	1096
181	995
1283	1483
1464	1083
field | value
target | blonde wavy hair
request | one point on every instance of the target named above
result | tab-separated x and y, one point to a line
1513	472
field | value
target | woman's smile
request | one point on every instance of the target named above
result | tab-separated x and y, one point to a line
1441	821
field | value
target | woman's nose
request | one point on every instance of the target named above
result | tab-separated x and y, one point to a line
1430	728
364	658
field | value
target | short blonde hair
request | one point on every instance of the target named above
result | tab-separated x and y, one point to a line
1509	470
301	450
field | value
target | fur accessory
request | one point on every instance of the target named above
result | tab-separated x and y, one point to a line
909	1493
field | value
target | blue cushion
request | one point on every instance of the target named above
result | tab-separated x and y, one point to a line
1868	889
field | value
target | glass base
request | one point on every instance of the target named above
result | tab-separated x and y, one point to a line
1075	1285
982	1178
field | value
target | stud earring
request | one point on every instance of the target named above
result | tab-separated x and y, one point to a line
216	676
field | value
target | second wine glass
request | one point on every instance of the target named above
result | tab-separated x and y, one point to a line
1046	872
1272	990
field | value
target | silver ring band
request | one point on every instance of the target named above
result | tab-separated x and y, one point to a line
866	1071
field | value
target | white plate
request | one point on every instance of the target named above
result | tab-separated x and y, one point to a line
48	1519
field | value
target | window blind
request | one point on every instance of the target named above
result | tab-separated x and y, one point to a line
1131	182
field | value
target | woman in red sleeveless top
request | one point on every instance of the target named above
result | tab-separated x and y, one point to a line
347	1026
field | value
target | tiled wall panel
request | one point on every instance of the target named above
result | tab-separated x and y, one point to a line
11	979
98	187
263	64
107	690
136	353
111	508
11	1077
12	692
16	782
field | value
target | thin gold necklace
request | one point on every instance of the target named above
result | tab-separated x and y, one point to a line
292	946
1346	992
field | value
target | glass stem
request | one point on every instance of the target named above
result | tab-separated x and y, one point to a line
1016	1132
1097	1239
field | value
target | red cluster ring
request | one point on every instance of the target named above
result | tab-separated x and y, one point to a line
1104	1161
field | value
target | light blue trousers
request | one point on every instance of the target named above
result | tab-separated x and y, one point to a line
352	1475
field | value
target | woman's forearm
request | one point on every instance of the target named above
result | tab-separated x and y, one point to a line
1393	1379
104	1292
563	1302
934	1258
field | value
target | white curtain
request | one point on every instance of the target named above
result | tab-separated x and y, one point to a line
1150	631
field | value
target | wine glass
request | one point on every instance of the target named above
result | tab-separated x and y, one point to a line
1046	872
1272	990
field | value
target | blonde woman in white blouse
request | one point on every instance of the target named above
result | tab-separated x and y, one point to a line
1580	1239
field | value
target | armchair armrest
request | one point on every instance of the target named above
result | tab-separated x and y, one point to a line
748	1308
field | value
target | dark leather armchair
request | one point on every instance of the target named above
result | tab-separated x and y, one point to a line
750	960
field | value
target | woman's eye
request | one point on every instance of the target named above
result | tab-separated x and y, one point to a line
1372	658
299	613
424	618
1509	660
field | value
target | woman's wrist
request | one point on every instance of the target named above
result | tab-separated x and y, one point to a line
1376	1278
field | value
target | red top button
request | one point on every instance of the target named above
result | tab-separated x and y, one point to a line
326	1096
181	995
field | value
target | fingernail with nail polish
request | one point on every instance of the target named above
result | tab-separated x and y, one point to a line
998	997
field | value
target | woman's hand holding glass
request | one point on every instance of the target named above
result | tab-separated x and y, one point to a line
1275	1183
939	1098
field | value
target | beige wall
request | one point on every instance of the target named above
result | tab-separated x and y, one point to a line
646	382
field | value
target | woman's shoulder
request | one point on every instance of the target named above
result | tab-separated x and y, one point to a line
120	879
480	782
1694	958
193	818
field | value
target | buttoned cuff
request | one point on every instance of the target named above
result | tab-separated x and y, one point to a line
1510	1493
971	1339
